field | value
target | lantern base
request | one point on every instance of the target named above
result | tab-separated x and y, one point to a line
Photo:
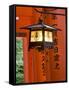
41	46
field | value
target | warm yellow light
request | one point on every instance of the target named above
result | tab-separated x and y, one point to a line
48	36
36	36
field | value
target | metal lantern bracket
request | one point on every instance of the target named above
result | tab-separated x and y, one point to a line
40	26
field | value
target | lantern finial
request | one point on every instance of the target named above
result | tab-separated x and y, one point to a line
40	21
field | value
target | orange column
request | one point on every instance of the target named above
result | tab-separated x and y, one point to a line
26	60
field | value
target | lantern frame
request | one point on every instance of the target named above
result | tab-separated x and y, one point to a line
40	26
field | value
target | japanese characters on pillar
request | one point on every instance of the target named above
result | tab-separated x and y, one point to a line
56	55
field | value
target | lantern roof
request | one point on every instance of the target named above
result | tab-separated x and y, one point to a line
39	25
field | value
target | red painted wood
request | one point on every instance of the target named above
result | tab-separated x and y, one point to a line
33	58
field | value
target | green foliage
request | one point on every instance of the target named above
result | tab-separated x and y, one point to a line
19	62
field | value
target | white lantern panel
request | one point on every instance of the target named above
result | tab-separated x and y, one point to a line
48	36
36	36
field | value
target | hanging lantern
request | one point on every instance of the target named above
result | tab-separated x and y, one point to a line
41	35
